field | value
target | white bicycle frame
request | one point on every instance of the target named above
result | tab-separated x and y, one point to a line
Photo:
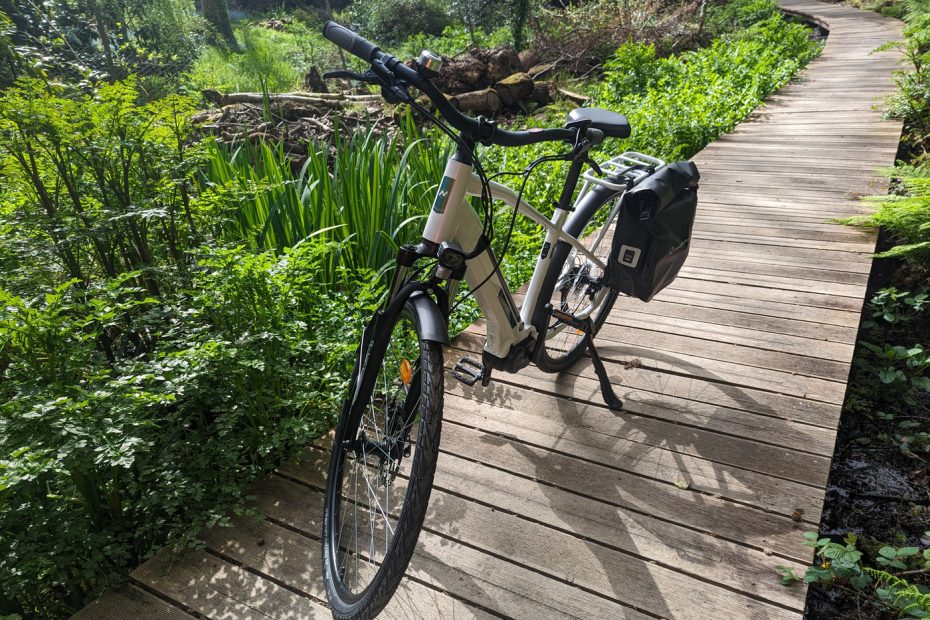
452	219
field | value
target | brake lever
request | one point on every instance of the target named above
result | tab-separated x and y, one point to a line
368	76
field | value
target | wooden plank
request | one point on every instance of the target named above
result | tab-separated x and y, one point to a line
752	442
691	551
762	293
814	274
747	336
659	308
130	603
488	580
734	522
217	589
770	281
769	307
641	584
296	561
636	454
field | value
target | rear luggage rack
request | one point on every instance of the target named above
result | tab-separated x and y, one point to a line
631	167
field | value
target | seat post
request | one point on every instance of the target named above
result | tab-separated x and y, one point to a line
571	182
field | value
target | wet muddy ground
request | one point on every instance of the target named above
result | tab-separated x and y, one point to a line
878	489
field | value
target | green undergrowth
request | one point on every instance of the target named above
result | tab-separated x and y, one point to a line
678	104
268	60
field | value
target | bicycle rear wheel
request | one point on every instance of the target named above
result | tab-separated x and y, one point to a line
571	282
381	469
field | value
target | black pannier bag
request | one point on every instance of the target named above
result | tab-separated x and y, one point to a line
653	233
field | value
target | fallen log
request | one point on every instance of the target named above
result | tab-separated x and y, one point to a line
311	99
514	89
572	96
543	93
478	101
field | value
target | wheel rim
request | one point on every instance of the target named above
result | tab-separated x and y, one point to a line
375	466
573	292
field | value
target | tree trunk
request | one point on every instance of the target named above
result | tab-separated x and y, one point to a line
113	69
216	13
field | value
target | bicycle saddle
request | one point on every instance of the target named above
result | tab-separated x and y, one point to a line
612	124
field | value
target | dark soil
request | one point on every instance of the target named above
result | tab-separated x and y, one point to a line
876	490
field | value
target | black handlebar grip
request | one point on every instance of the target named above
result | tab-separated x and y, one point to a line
350	41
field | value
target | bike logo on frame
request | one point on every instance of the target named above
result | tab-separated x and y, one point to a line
442	196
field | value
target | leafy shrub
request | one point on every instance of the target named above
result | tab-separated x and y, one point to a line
911	102
729	16
683	102
100	183
392	21
905	214
844	564
101	463
452	41
582	36
85	42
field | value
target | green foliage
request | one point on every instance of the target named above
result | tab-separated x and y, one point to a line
581	36
268	60
85	42
11	60
738	15
100	184
521	13
889	378
911	102
452	41
838	563
680	103
475	14
102	462
892	307
905	214
392	21
374	193
910	600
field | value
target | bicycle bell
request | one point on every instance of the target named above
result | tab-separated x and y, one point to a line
430	63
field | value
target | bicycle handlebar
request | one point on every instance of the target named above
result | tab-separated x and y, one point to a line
351	42
476	129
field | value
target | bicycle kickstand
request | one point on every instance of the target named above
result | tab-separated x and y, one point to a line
586	326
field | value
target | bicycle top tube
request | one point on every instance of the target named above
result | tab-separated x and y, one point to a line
478	130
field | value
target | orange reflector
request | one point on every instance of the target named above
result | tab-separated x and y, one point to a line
406	372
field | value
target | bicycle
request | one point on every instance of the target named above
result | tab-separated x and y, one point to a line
387	438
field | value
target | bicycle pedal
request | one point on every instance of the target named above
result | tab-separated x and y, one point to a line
468	370
569	319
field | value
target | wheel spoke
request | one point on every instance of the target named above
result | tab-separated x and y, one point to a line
379	468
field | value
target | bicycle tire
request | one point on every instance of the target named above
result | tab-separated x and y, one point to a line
360	603
559	346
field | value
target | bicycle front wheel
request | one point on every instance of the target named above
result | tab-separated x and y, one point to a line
381	469
572	282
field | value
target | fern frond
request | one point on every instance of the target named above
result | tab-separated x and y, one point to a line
904	595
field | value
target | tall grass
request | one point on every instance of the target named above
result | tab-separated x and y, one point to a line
271	58
369	197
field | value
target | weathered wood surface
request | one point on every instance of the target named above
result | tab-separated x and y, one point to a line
547	504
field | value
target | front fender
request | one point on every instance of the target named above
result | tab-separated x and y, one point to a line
429	317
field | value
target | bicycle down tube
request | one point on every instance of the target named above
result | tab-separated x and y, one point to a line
452	218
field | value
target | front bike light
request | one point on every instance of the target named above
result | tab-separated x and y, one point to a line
450	256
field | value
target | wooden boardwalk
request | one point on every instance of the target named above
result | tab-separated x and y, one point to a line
547	504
